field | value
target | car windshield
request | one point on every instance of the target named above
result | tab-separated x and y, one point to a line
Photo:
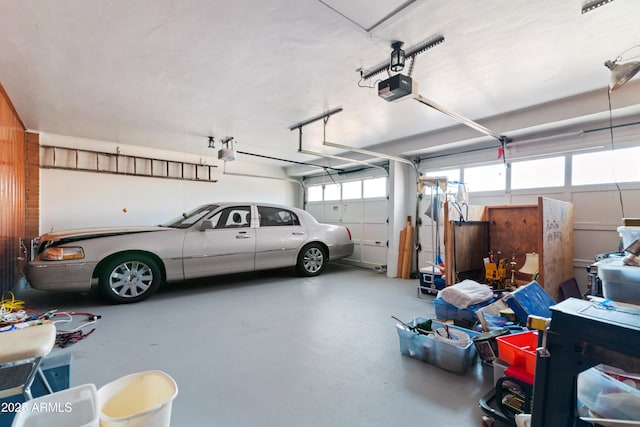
187	219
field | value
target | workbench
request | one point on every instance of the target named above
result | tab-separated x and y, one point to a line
582	334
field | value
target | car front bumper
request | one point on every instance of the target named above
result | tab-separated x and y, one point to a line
59	275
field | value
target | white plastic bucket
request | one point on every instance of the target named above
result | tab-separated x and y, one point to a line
138	400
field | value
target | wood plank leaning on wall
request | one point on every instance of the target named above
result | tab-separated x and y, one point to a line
12	192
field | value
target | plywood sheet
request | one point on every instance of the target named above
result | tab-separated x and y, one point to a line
556	243
514	231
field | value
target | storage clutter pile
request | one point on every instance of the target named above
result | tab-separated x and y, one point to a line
455	347
472	320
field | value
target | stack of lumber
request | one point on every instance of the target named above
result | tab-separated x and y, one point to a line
404	251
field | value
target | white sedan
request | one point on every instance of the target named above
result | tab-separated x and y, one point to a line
129	263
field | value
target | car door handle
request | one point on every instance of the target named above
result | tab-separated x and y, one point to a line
298	233
242	235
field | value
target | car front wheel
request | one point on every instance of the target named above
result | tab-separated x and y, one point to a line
311	260
129	278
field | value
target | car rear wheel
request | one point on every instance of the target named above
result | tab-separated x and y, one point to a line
129	278
311	260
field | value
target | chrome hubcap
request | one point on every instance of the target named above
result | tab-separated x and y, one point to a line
313	260
130	279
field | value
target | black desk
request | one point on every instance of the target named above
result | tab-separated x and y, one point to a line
582	334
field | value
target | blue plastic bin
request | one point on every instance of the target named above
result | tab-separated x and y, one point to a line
446	311
529	299
428	349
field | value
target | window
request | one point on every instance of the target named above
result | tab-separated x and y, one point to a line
603	167
537	173
188	219
485	178
275	217
453	178
351	190
314	194
451	174
374	187
332	192
237	216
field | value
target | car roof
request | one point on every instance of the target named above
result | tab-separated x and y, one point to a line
243	203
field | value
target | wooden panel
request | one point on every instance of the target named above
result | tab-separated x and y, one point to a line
556	243
514	230
32	191
12	192
471	243
471	213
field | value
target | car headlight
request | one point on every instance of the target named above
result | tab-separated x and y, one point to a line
59	253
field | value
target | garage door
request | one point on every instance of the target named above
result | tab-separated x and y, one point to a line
360	204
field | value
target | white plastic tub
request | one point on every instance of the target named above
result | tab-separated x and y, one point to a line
74	407
620	282
607	397
138	400
628	234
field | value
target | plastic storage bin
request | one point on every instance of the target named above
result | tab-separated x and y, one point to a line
620	282
74	407
454	358
529	299
519	349
628	234
446	311
427	349
411	342
141	400
607	397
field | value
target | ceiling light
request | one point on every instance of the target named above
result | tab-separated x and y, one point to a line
227	152
411	53
397	57
211	142
621	73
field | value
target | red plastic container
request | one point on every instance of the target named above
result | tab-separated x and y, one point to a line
519	349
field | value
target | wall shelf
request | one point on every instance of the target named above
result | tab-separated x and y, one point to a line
52	157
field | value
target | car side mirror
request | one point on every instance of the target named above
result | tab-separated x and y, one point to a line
207	224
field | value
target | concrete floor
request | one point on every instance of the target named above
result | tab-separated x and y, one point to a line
273	349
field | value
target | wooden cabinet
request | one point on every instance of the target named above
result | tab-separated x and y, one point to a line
545	228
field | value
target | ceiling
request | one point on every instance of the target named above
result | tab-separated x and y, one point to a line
167	74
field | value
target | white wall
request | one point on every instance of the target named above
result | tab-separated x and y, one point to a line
74	199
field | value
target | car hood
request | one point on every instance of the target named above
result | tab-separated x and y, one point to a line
91	233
